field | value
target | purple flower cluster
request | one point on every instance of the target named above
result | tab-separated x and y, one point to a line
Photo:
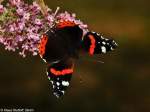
22	24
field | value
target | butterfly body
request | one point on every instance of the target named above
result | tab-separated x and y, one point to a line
61	45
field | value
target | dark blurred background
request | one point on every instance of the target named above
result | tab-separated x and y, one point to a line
121	84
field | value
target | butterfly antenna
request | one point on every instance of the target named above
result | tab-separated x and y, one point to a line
56	11
93	60
53	22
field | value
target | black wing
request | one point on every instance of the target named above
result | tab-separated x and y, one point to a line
62	42
60	74
96	44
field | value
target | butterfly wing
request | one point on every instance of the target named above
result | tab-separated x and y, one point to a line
62	40
58	47
72	37
97	44
60	74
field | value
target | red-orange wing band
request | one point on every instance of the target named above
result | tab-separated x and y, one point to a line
42	45
63	24
92	46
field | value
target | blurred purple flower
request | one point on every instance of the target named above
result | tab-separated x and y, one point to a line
1	8
20	11
38	22
26	16
15	2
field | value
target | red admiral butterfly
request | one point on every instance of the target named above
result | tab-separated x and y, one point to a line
60	46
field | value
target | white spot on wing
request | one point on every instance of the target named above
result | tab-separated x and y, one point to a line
44	60
98	34
103	43
102	37
112	48
57	83
52	82
63	92
93	32
65	83
103	49
108	43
